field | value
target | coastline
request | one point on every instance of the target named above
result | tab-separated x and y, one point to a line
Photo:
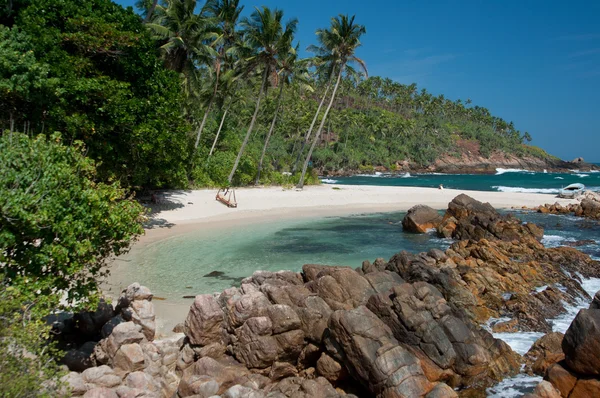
181	212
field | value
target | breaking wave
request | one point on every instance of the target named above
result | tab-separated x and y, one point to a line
500	171
525	190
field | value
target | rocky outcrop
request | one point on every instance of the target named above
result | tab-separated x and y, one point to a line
420	219
588	206
407	327
578	375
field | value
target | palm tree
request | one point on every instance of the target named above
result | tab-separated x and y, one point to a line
265	32
186	35
341	42
290	67
226	14
327	69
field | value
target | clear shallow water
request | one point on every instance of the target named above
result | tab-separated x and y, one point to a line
505	180
177	266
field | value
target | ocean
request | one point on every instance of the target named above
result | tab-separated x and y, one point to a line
505	180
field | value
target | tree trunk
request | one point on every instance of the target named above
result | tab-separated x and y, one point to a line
220	128
150	11
249	132
316	139
199	133
312	125
262	156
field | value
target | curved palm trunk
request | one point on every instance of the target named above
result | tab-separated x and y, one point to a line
201	128
262	156
150	11
219	130
318	135
251	127
312	125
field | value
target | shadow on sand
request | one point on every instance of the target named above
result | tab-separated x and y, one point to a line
158	201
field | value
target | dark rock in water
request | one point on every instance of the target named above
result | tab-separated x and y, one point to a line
420	219
595	305
545	352
214	274
467	218
581	243
582	343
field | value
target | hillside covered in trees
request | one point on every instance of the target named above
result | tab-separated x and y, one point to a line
183	93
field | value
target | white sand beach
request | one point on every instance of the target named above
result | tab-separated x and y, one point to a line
188	208
180	212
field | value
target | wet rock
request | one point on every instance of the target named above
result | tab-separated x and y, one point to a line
544	390
561	378
545	352
420	219
581	343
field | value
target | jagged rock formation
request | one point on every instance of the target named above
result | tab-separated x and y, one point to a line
420	219
578	375
407	327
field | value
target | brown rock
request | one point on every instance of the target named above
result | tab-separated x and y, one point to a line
129	358
102	376
123	333
561	378
546	351
544	390
329	368
581	344
420	219
100	392
586	388
204	321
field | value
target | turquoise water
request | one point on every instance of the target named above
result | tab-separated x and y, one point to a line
503	180
180	265
177	266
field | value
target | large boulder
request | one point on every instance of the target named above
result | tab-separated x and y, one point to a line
581	344
368	349
420	219
204	322
467	218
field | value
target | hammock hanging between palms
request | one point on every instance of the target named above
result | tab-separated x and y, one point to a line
227	197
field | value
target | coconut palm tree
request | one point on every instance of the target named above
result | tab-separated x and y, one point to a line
266	34
290	68
225	13
186	35
340	43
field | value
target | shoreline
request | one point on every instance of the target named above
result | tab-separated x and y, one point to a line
183	212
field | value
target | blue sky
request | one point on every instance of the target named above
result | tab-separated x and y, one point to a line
536	63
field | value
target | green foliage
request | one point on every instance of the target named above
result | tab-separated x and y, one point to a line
58	226
27	366
109	88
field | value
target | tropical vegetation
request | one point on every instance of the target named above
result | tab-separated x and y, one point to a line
190	93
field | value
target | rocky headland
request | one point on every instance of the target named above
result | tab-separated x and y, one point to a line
411	326
472	162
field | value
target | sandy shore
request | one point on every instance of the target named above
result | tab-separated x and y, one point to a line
179	212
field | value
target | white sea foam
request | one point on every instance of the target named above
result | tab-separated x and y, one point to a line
514	387
407	175
329	181
521	342
376	174
558	178
582	175
525	190
545	171
556	240
500	171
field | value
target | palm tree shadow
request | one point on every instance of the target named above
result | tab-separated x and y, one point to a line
157	202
